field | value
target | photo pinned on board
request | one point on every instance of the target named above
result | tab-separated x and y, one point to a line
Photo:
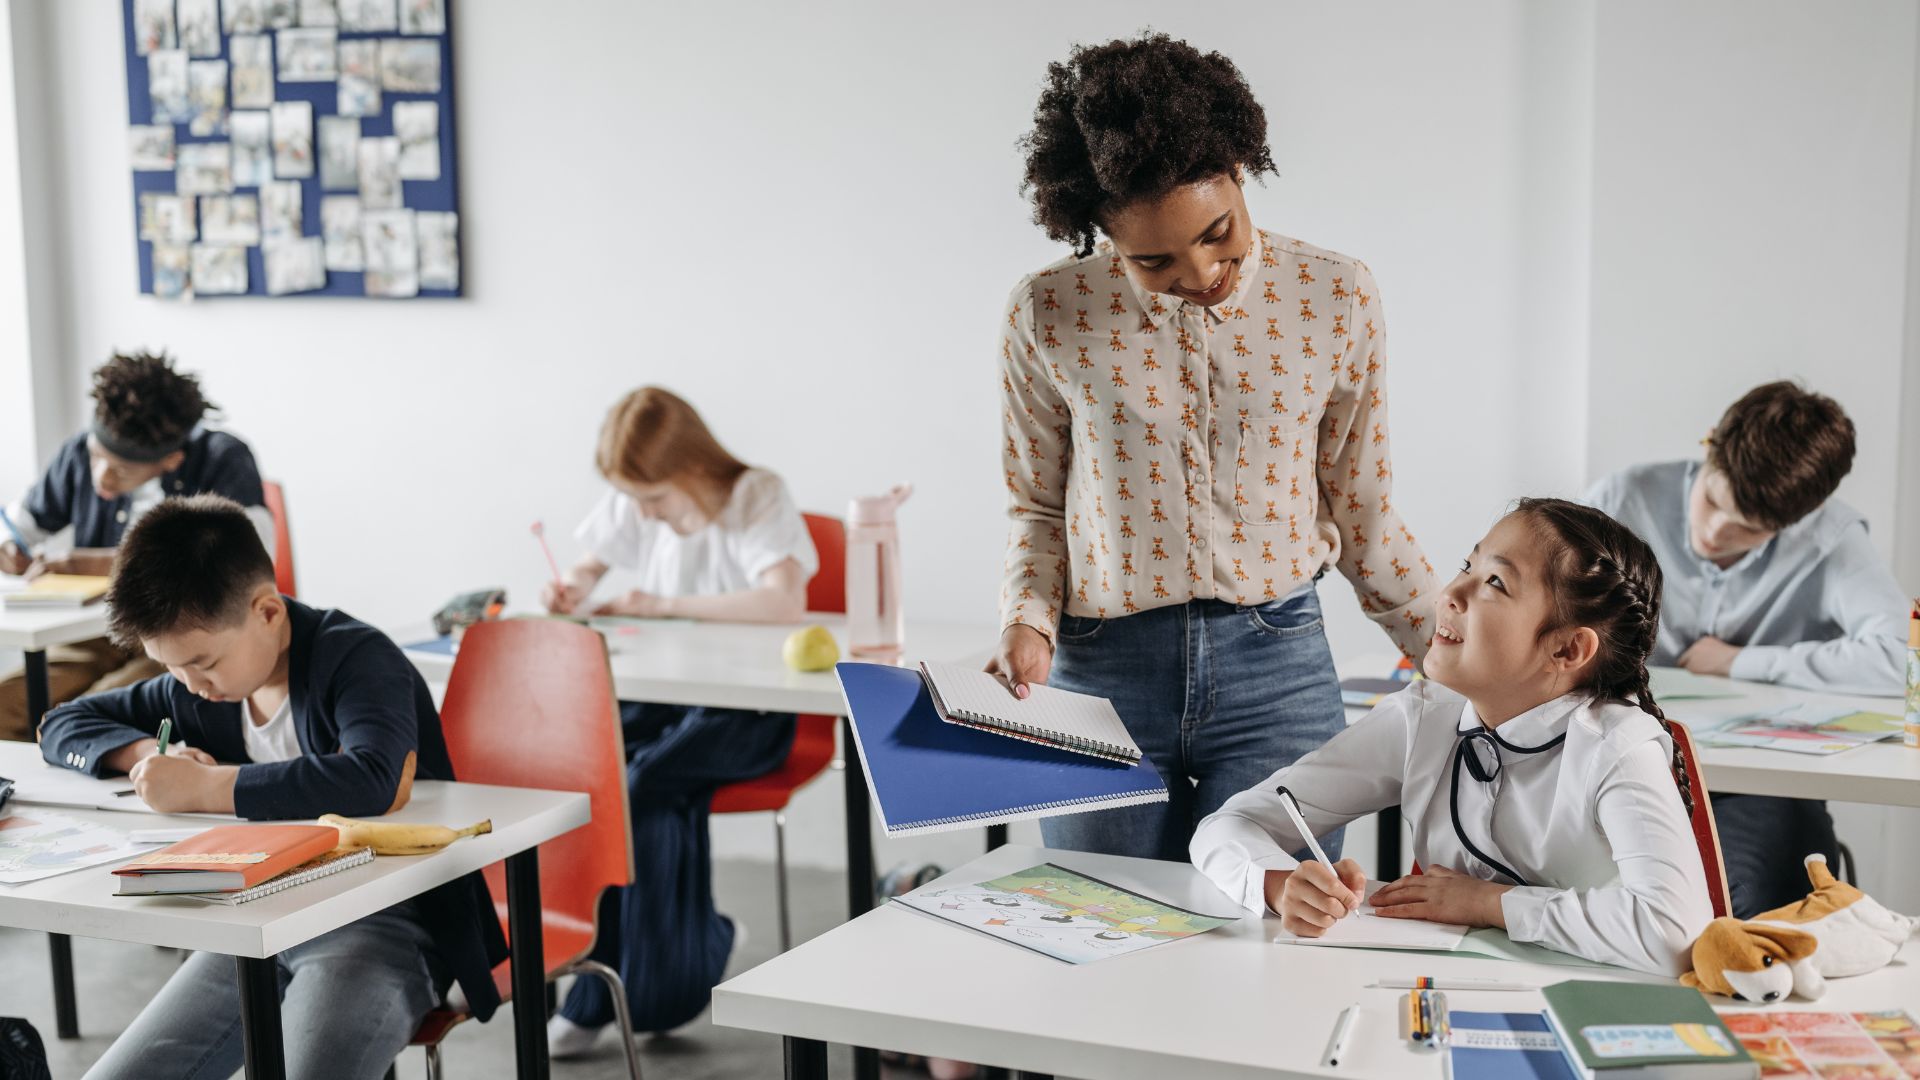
230	219
199	23
252	59
438	234
309	55
243	16
252	142
369	16
292	139
219	270
295	266
167	86
417	125
207	91
318	13
359	90
166	219
151	147
280	211
340	228
153	28
380	173
203	168
281	14
172	271
410	67
392	253
340	153
423	16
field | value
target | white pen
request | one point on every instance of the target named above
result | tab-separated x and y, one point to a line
1300	823
1342	1035
1428	983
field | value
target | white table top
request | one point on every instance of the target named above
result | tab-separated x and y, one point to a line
43	628
1224	1004
734	665
82	902
1885	773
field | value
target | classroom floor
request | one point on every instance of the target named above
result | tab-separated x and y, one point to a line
115	980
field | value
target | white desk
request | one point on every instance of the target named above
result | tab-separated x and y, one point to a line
35	631
1224	1004
1884	774
82	902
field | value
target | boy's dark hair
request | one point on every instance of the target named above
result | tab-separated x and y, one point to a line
190	563
145	405
1135	119
1600	575
1784	450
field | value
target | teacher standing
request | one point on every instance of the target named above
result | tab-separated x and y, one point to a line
1195	429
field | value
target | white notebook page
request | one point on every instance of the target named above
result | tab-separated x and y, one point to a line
1060	713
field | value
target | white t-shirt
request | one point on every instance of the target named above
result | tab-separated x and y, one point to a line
758	529
273	741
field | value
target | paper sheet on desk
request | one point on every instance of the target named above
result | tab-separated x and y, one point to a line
36	844
51	786
1365	930
1679	684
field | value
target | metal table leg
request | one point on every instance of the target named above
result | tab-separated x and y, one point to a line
529	965
260	1018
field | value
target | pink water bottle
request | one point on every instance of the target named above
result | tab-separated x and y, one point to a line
875	624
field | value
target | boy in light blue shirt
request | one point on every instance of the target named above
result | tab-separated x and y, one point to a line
1768	578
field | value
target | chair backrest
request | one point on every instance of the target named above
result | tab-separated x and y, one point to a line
1706	835
530	704
276	500
827	591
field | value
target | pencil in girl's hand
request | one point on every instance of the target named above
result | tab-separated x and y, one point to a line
166	732
540	534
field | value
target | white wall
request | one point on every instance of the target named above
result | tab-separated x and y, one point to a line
643	205
1557	199
1752	193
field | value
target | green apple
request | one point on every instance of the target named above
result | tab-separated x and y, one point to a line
811	648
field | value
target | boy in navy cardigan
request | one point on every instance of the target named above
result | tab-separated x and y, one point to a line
281	711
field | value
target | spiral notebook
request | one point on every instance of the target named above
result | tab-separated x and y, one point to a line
1051	717
312	870
927	775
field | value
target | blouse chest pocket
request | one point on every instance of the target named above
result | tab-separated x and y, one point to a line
1273	480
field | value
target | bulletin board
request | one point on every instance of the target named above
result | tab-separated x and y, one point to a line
293	147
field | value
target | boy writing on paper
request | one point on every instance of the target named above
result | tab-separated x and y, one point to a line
1768	578
148	441
293	712
709	538
1537	772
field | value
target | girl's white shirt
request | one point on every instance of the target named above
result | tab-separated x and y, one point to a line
758	529
1595	825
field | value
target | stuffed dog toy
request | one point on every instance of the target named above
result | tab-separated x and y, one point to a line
1836	931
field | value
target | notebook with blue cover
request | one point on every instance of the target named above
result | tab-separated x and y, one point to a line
1505	1046
927	775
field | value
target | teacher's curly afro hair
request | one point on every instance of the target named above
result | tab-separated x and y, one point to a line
1135	119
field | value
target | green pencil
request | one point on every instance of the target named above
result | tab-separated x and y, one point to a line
166	732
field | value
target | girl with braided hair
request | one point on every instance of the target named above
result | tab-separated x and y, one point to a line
1539	776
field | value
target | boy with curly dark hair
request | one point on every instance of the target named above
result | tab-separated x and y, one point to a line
1195	430
148	441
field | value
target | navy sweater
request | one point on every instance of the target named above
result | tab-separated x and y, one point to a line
360	711
216	463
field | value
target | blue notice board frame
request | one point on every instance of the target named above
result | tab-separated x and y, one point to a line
442	194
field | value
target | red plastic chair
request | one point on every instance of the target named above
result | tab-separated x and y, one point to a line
276	502
813	736
1706	834
530	704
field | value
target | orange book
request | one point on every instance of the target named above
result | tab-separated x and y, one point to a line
226	858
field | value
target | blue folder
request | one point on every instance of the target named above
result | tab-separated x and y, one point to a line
1505	1046
927	775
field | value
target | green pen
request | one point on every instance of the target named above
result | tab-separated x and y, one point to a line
166	732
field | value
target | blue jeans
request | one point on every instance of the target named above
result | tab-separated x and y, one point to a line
661	933
1218	696
349	1002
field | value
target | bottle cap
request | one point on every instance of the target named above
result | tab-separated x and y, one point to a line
877	509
